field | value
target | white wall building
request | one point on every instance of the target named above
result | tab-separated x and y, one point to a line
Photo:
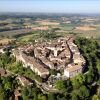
72	70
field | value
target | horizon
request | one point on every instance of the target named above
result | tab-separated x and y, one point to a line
50	6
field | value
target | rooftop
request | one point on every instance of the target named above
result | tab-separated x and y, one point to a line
73	67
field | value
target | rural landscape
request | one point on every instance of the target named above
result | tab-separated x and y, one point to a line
49	56
20	27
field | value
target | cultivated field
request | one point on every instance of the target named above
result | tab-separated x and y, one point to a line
5	41
85	28
47	23
13	33
80	26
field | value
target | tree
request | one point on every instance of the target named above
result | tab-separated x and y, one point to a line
90	50
60	97
53	72
51	96
95	97
98	66
89	76
83	92
8	85
25	93
60	84
80	78
68	86
75	83
98	92
41	97
74	95
2	94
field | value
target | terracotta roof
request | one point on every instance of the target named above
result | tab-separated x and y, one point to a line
24	80
65	53
35	64
46	61
73	68
54	44
78	57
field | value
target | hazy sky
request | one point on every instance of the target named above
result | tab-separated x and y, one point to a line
64	6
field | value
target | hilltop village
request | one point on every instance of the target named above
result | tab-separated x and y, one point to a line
49	57
61	55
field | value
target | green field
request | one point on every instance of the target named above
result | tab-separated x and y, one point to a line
66	26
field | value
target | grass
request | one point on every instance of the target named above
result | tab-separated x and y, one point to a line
25	38
98	28
35	25
29	37
67	26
